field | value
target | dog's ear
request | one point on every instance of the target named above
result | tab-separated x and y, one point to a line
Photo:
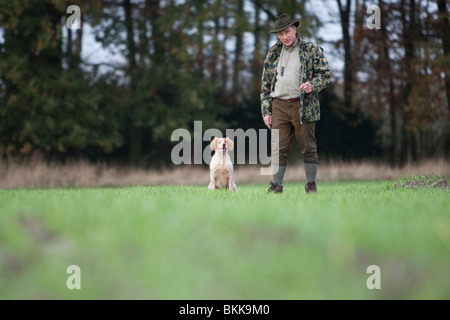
213	144
230	144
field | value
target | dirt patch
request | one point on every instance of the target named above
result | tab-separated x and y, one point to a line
14	262
36	229
441	183
11	263
257	234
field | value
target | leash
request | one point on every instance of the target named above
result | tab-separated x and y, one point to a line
302	95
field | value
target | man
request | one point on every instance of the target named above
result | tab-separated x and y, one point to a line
294	72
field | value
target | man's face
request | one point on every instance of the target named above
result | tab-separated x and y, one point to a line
288	36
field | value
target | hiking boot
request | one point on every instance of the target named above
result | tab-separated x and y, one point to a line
311	187
275	188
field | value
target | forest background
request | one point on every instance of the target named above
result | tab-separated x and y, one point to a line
160	65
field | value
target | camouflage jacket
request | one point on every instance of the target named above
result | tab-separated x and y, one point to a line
315	70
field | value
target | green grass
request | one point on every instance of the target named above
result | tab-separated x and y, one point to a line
186	242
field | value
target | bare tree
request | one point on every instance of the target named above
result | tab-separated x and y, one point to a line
344	13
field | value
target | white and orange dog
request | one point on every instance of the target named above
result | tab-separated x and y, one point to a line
221	168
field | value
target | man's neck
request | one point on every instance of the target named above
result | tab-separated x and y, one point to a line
295	43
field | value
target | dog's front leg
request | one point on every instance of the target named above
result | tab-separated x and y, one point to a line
231	184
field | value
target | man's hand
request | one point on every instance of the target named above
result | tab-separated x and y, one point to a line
268	121
307	87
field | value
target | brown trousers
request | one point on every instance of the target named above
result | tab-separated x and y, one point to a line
286	118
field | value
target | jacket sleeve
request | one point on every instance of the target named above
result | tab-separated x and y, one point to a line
266	88
322	73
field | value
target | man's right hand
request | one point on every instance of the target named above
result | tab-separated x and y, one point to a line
268	121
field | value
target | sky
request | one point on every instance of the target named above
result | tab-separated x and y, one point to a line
326	10
92	51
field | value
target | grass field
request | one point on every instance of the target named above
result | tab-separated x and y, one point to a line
186	242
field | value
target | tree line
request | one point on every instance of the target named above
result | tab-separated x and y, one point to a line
202	60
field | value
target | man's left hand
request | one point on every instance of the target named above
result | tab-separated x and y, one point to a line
307	87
